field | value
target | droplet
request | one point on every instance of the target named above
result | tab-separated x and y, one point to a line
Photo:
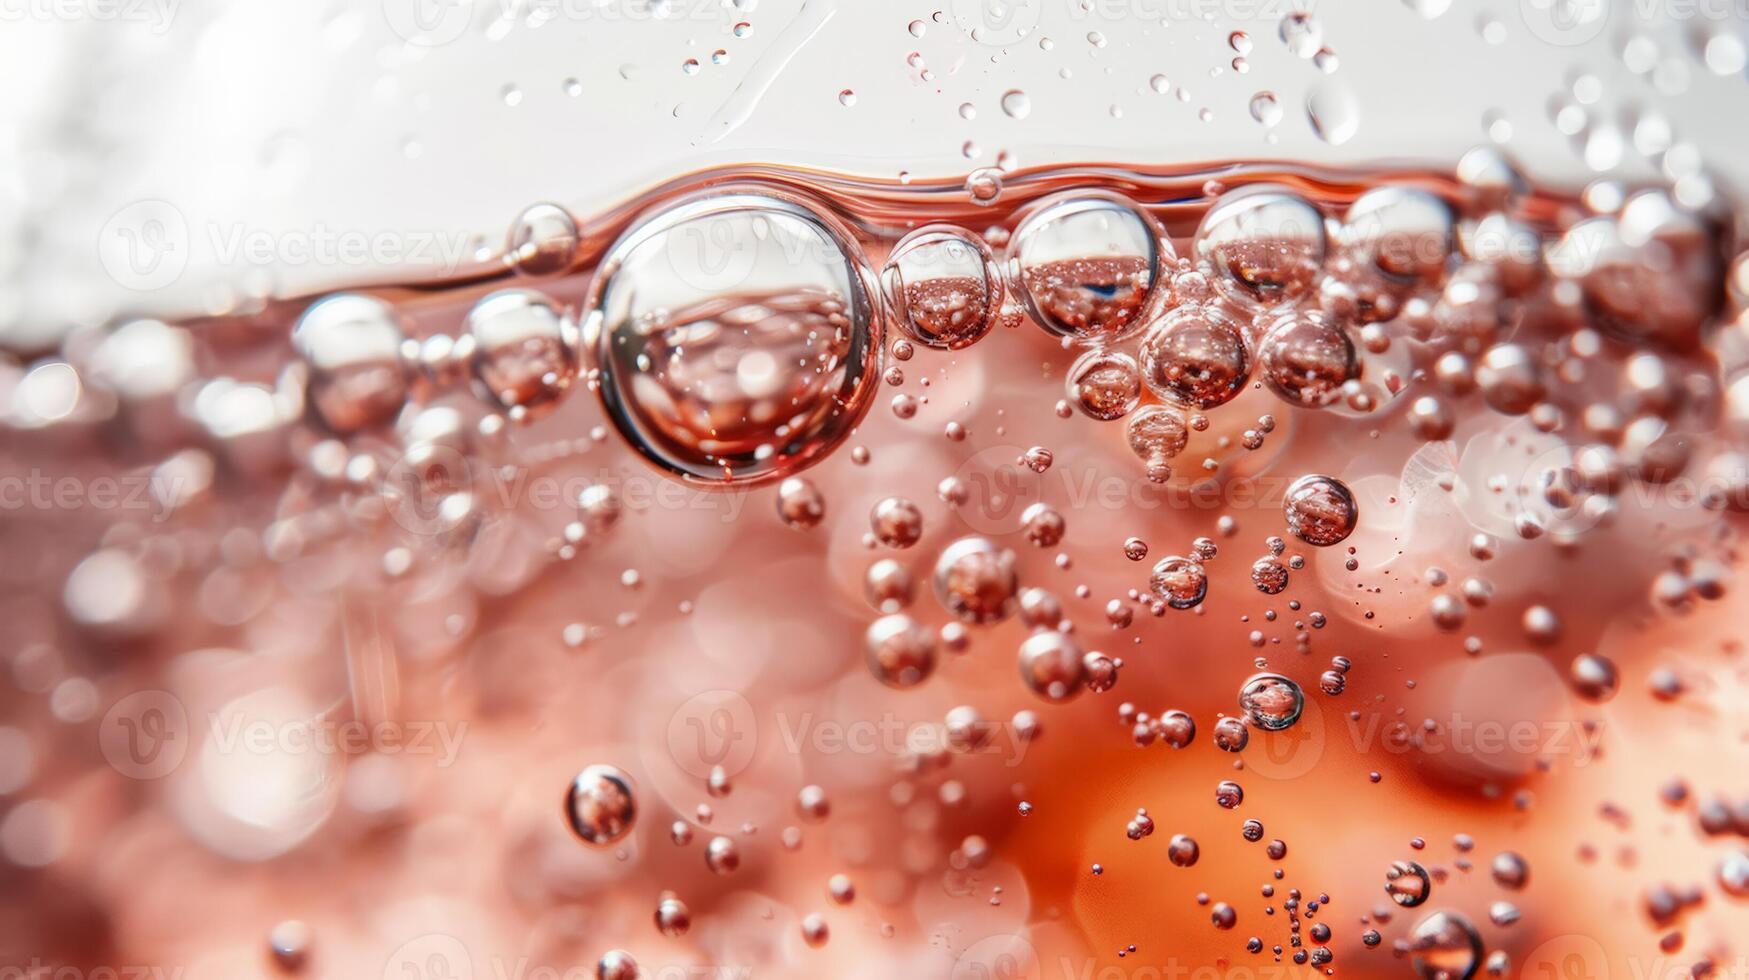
1265	243
1271	702
1306	358
1444	946
524	350
1196	357
1087	265
1052	665
734	333
901	652
352	345
1333	112
1408	883
600	805
799	503
1016	104
1320	510
975	580
1104	384
943	286
1180	582
543	240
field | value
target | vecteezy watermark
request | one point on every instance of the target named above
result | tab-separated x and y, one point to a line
36	969
1565	23
442	957
431	23
148	734
1155	11
148	245
149	493
718	730
155	15
422	488
997	22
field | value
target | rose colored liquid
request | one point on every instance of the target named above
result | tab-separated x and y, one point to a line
481	652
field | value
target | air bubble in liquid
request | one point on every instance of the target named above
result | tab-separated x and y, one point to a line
542	241
524	350
1052	666
943	287
600	805
1180	582
1271	702
352	347
1195	357
734	333
1105	385
1320	510
1266	245
900	651
1306	358
1087	265
976	581
1444	946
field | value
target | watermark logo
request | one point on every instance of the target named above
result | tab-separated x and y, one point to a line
998	488
430	957
713	729
155	14
144	246
1564	23
428	23
145	736
997	22
1292	752
1001	957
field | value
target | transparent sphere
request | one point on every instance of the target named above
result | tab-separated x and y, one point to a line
735	333
1104	384
1196	357
352	345
1306	358
1405	233
943	287
543	241
524	349
1087	265
600	805
1271	702
1265	243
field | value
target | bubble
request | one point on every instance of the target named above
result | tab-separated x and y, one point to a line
799	503
1182	850
1135	549
1594	677
1271	702
1252	830
1650	273
1405	233
1104	385
734	333
722	856
543	241
673	918
1265	108
984	185
1269	575
1042	525
897	523
1407	883
975	580
812	803
352	346
943	287
1180	582
1302	34
1320	510
1156	434
1016	104
1195	358
1087	265
900	651
1333	112
1231	735
888	586
1052	666
1444	946
1100	671
1265	243
524	350
1510	379
600	805
1229	794
1510	870
1306	358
